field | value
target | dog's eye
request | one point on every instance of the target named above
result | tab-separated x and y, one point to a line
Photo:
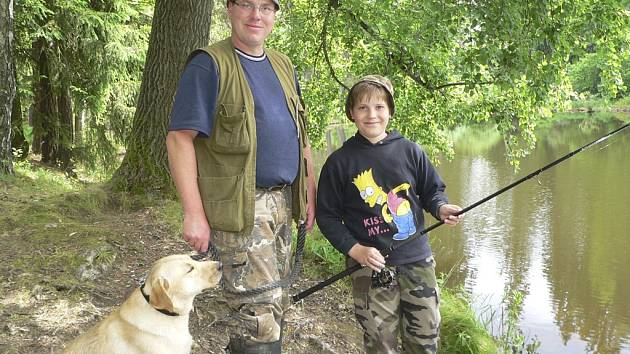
190	270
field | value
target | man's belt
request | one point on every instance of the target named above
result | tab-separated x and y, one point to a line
279	187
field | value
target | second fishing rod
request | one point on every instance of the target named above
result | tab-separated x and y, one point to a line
395	245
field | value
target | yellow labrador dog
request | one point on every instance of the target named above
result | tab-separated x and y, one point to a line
154	319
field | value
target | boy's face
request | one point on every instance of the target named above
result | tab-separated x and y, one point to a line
371	116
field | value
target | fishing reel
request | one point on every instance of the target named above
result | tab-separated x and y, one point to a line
382	279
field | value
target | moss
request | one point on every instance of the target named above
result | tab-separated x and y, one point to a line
48	226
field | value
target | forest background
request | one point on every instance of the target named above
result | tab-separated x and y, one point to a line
94	80
86	87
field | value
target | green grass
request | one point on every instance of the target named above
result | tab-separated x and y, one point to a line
321	259
601	105
50	223
475	139
170	211
461	330
623	103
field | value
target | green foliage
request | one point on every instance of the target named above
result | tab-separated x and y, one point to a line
593	75
451	62
97	49
600	59
585	74
624	102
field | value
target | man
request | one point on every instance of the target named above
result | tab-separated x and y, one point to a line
240	158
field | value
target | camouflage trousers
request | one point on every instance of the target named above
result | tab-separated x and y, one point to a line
409	307
253	260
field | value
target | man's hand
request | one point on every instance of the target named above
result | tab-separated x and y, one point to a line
311	191
197	232
367	256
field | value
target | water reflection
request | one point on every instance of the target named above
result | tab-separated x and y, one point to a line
561	238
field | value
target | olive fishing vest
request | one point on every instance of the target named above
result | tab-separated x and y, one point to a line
226	161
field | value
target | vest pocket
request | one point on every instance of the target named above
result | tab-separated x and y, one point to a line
230	133
222	199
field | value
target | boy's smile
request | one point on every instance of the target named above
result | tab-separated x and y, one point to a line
371	117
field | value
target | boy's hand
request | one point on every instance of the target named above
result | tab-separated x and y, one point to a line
447	214
367	256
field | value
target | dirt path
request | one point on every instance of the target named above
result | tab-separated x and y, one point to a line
40	316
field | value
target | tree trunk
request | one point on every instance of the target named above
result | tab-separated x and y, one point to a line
330	144
64	150
45	122
18	140
341	134
7	85
79	118
178	28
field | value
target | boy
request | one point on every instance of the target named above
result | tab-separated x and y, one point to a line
371	193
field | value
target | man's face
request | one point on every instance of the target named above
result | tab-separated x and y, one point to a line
250	24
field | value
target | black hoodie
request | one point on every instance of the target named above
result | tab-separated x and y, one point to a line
374	194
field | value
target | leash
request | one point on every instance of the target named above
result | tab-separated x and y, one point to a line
282	283
395	245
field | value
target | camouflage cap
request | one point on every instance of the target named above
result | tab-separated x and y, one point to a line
378	80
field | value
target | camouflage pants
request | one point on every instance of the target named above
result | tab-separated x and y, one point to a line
251	261
409	307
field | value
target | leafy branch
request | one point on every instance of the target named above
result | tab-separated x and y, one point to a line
404	60
324	45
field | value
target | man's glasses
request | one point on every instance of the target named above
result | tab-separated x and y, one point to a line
249	7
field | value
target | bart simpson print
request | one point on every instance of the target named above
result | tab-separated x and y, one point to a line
394	207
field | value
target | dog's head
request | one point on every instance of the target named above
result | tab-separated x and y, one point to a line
174	281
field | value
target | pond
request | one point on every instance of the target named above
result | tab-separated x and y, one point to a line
562	238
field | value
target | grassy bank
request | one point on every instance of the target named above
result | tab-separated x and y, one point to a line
601	105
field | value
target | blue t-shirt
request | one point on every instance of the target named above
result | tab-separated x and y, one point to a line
277	150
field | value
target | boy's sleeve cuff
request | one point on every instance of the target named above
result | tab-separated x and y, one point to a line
346	246
436	213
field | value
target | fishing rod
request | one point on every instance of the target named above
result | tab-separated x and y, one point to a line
394	246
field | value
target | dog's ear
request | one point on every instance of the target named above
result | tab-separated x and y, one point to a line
160	299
